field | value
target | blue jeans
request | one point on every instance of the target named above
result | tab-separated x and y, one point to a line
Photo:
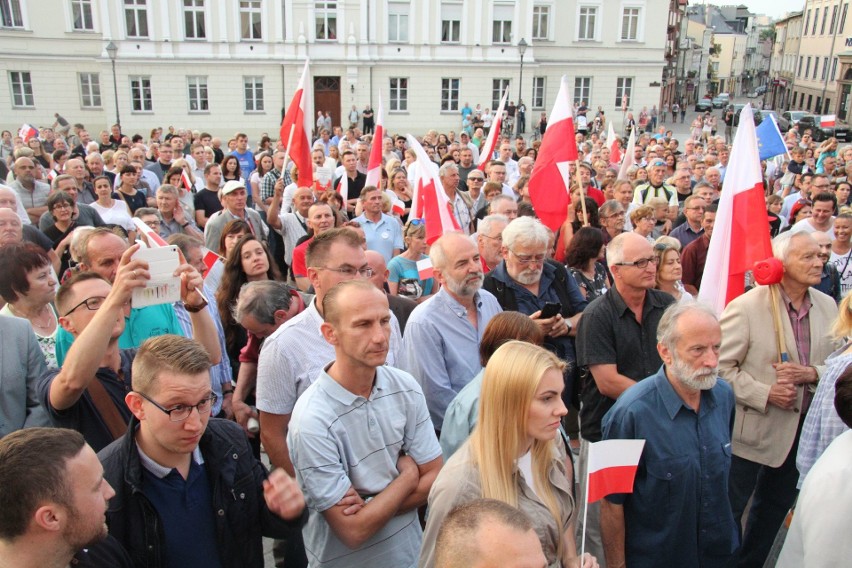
774	490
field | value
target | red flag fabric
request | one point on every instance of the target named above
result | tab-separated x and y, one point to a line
424	268
154	239
184	179
629	154
741	232
436	206
298	121
374	166
550	179
613	143
398	206
491	140
27	131
612	467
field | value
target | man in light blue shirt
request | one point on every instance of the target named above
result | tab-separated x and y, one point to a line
442	336
384	235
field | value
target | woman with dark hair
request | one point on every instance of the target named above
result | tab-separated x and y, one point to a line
264	166
231	170
336	201
583	258
232	232
28	285
248	261
39	155
127	192
61	206
111	210
574	222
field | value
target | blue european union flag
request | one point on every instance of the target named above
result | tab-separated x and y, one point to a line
770	143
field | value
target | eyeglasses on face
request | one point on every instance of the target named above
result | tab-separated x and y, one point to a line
181	412
349	271
528	258
641	263
92	304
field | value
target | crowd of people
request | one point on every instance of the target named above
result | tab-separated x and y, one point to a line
428	404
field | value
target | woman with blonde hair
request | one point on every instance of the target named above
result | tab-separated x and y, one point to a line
515	454
669	269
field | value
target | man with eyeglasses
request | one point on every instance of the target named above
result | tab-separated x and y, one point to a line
87	393
489	241
188	491
294	354
690	229
475	185
617	347
612	218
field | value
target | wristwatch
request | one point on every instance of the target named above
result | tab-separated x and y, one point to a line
198	308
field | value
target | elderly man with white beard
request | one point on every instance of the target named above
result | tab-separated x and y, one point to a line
677	514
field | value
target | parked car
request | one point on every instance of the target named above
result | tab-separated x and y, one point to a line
820	133
704	104
789	119
721	100
738	109
761	90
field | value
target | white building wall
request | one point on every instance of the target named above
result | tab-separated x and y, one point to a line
53	53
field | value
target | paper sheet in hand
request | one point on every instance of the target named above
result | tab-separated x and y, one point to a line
163	287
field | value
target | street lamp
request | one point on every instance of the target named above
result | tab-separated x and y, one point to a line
112	51
522	48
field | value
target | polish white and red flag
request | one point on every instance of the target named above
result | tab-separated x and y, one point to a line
209	258
374	166
435	207
424	268
741	232
343	188
487	150
398	206
296	126
613	143
550	179
184	180
629	153
828	120
27	131
612	467
152	237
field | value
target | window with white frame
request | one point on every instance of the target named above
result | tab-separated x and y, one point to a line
399	94
808	67
816	66
824	20
253	87
587	22
81	16
90	90
22	89
10	14
582	89
501	26
450	94
630	23
193	19
843	17
136	18
451	15
197	94
398	22
834	69
140	94
326	20
498	87
824	68
250	26
538	85
623	88
541	22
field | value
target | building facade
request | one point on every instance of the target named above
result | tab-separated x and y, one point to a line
229	65
785	55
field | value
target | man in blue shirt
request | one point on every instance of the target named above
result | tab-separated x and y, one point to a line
244	156
384	235
677	514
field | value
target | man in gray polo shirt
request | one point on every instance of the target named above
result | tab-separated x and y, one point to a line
361	442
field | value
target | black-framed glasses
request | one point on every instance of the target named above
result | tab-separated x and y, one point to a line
528	258
476	179
640	264
499	237
349	271
181	412
94	303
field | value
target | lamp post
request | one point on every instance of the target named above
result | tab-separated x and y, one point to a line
112	51
522	48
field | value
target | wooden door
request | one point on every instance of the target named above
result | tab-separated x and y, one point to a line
327	98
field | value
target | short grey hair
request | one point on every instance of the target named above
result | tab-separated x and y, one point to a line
667	332
446	167
610	207
170	189
148	211
615	249
437	254
498	199
527	231
487	223
261	300
782	243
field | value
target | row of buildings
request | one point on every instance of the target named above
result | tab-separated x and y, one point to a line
229	65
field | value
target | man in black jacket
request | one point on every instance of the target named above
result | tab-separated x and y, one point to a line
189	492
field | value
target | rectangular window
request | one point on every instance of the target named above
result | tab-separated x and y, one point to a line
630	24
541	22
587	22
808	68
582	89
253	87
193	19
10	14
451	15
814	27
90	90
824	68
450	94
810	102
22	89
399	94
197	93
827	108
501	27
834	69
818	101
136	18
140	94
498	87
843	17
799	73
81	14
326	21
807	22
538	85
398	22
623	88
816	66
833	19
824	20
250	27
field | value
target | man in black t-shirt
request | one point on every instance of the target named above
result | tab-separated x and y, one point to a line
207	199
